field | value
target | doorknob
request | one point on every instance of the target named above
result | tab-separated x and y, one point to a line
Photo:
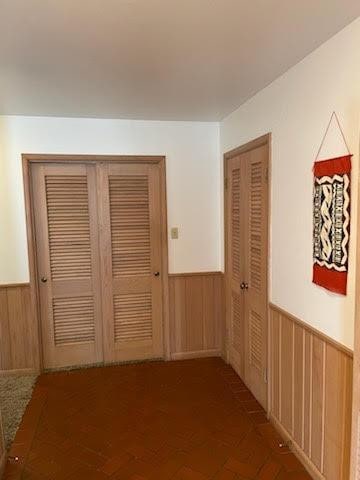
44	279
156	274
244	286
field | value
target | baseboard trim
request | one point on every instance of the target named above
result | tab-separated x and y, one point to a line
296	449
196	354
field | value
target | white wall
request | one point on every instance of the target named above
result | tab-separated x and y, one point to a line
193	193
296	109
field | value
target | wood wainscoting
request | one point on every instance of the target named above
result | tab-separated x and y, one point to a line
311	394
19	350
196	321
196	314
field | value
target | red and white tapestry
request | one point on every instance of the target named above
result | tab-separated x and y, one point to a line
331	223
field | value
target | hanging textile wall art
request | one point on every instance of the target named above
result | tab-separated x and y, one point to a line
331	228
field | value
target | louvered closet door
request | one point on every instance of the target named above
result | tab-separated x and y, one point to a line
68	264
235	266
131	261
255	260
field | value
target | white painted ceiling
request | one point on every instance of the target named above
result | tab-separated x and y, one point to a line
154	59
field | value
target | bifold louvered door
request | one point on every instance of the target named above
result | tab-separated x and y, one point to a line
247	257
235	265
255	268
65	211
99	259
131	261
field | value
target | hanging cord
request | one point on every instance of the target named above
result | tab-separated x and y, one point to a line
326	132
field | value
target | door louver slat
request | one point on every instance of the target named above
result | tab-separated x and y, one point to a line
68	226
256	219
133	317
235	223
236	327
130	225
255	340
73	320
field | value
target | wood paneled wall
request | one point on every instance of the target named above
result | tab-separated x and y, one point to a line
196	314
196	321
18	330
311	394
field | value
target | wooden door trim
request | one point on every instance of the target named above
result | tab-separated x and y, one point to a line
257	142
32	256
251	145
65	158
27	161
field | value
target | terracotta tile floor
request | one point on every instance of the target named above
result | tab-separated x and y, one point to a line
189	420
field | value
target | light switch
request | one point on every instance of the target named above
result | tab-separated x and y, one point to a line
174	233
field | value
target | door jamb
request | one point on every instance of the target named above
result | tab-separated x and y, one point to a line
27	161
251	145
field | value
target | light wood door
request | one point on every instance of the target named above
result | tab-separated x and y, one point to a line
235	265
65	211
247	265
255	259
130	235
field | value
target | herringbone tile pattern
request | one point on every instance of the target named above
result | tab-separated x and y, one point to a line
189	420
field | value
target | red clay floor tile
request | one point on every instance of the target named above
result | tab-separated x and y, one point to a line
183	420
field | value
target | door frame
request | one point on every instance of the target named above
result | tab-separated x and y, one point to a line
29	159
251	145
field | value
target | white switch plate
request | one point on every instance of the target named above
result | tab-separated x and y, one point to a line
174	233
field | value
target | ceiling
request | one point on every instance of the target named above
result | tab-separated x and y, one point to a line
153	59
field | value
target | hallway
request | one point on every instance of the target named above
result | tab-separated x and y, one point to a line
185	420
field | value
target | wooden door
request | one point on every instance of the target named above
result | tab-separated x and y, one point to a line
65	211
255	272
235	265
130	235
247	266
